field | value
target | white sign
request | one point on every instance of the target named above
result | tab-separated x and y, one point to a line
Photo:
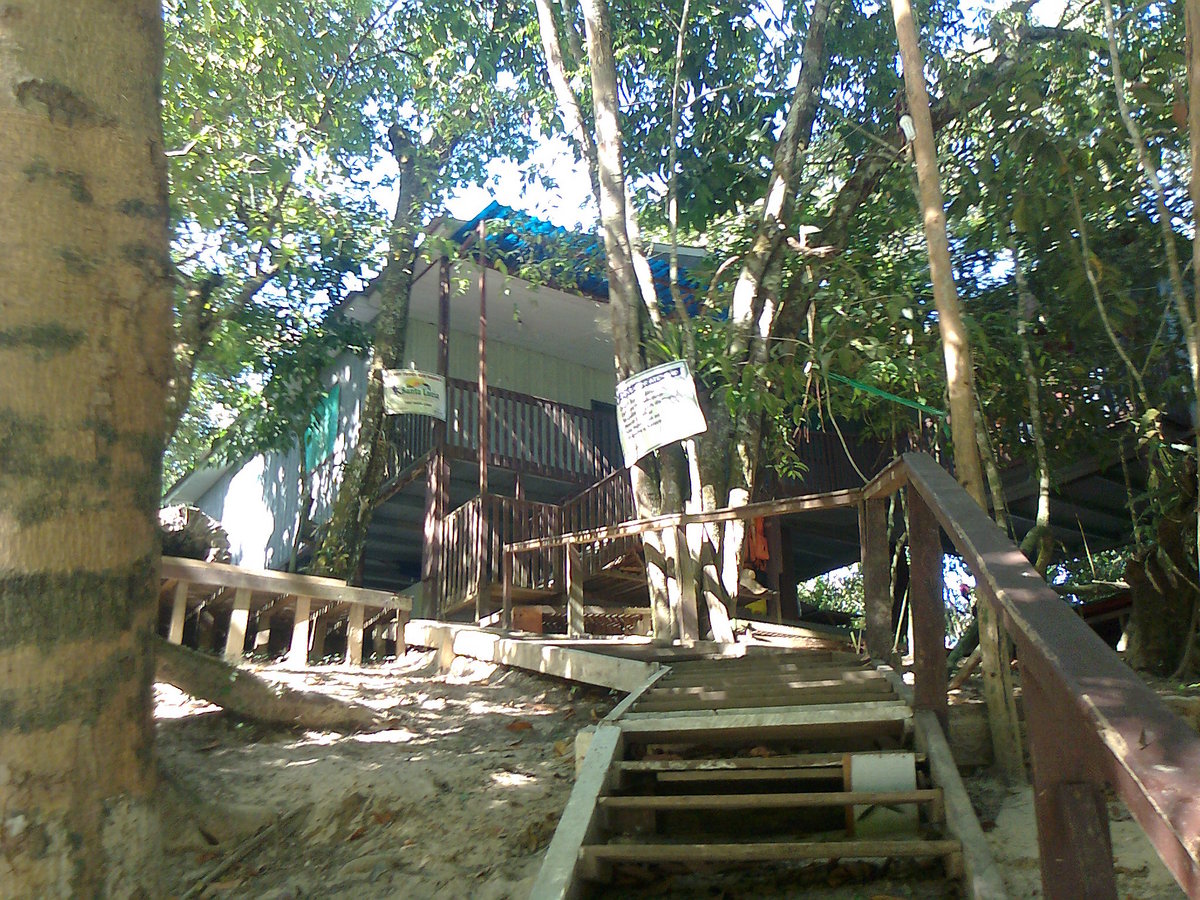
413	392
657	407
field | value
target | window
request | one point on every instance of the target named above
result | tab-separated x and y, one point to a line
322	430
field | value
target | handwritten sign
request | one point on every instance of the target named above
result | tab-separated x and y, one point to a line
415	393
657	407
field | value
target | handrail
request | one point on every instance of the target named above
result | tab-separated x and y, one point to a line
1092	721
832	500
1091	718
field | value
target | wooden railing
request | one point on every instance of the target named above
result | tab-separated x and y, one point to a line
605	503
471	541
525	434
1092	722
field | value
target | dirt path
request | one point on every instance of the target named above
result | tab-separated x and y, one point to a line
455	800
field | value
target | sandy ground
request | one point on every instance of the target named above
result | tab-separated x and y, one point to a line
459	796
456	799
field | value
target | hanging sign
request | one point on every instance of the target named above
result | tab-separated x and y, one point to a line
657	407
415	393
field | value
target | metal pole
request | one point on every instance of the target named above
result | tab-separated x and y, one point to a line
483	402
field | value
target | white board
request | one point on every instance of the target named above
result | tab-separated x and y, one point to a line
415	393
657	407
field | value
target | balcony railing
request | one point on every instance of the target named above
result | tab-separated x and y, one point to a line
524	434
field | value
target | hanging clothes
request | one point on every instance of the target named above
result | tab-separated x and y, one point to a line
757	553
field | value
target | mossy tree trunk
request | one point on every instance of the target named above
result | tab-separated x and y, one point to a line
344	539
86	298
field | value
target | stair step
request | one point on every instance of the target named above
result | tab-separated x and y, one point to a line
733	698
862	681
833	709
789	761
773	801
768	851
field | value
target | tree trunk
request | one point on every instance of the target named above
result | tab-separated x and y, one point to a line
86	298
248	696
956	350
625	294
344	539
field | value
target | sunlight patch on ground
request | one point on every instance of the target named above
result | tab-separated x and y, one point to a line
391	736
172	703
512	779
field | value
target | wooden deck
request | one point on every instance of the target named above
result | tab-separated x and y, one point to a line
220	595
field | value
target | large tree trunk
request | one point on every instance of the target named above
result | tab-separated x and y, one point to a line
85	296
956	350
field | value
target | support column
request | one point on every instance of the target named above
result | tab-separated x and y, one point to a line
319	628
787	576
298	654
178	613
877	576
575	624
771	531
354	635
675	540
437	484
262	633
1074	843
239	620
927	610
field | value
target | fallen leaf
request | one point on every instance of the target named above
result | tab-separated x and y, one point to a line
357	833
519	725
562	748
761	752
384	816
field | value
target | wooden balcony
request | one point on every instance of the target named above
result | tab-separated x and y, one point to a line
525	434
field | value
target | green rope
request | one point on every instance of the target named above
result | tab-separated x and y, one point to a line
903	401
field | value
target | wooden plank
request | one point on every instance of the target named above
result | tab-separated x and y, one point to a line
178	613
636	694
862	681
830	710
1151	756
227	576
750	776
579	823
793	760
877	576
774	851
983	878
717	701
771	801
773	724
239	619
545	657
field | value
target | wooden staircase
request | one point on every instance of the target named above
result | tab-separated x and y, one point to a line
726	763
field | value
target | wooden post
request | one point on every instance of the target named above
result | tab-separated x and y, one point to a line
877	576
319	628
575	624
771	531
675	540
239	619
298	654
927	610
506	617
1074	843
178	613
354	635
787	576
996	651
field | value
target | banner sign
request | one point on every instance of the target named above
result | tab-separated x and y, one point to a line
657	407
415	393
